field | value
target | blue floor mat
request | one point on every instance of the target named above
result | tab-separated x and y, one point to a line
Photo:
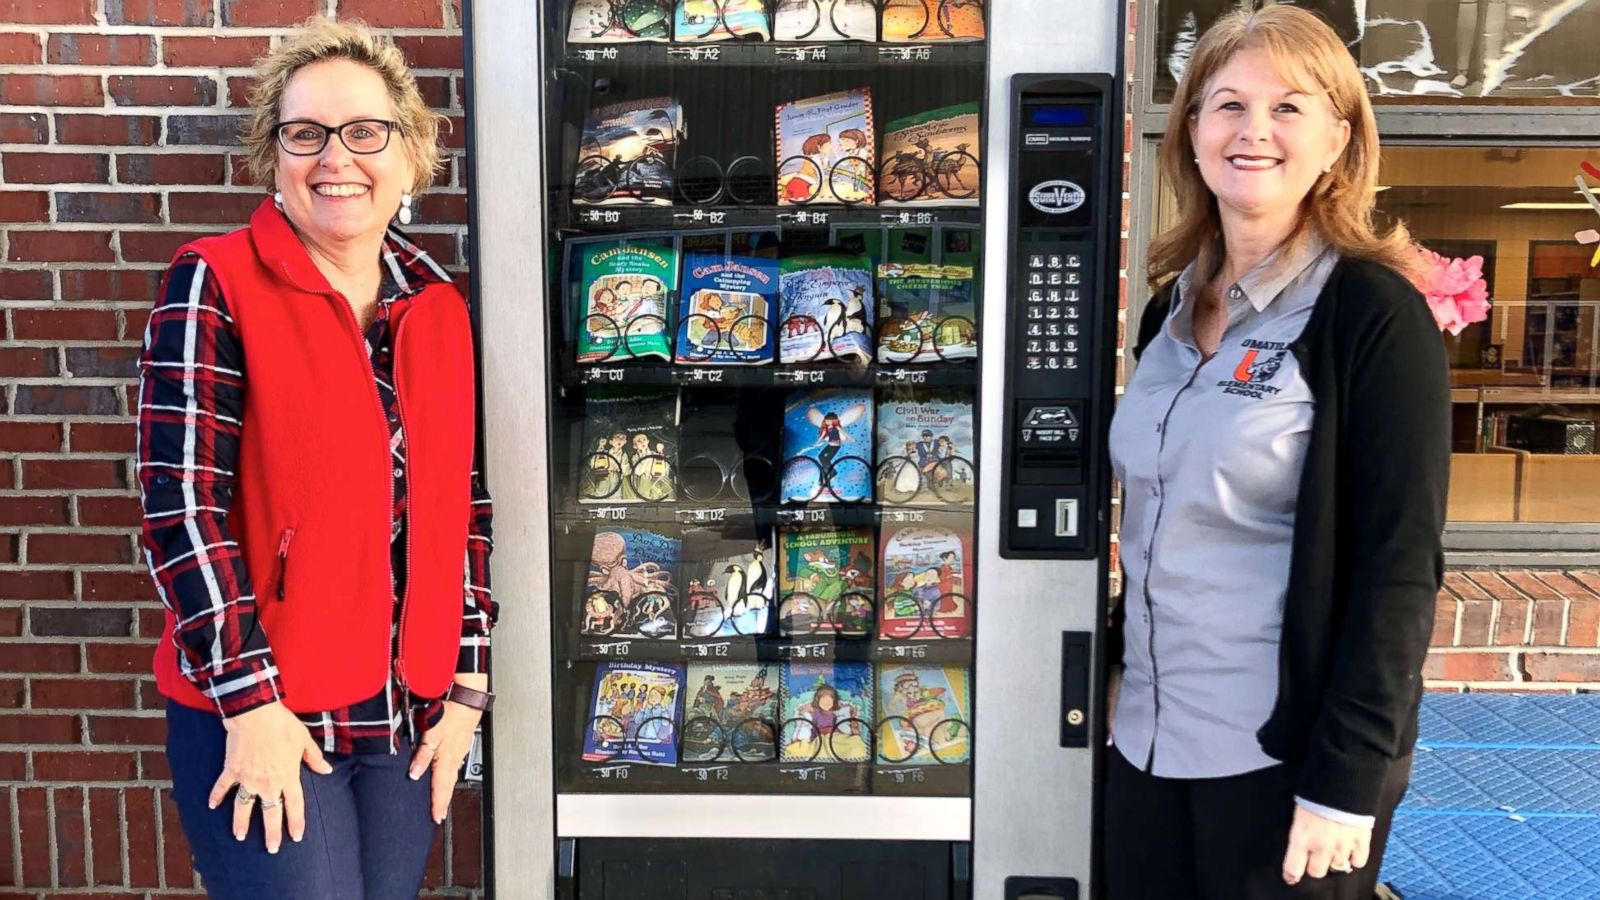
1481	857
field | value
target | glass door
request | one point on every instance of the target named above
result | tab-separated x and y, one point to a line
764	302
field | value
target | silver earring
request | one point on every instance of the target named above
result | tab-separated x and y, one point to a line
1197	160
277	199
1327	168
405	209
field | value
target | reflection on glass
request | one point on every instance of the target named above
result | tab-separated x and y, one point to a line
1441	49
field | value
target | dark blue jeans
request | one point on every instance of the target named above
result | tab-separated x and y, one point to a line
367	837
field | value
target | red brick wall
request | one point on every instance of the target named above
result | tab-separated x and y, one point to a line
117	123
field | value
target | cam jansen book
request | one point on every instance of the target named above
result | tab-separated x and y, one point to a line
925	449
628	153
926	314
827	712
825	308
633	713
625	294
932	157
630	448
827	446
826	584
925	715
730	712
725	316
927	580
632	588
827	149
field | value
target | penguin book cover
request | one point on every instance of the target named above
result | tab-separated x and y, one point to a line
632	587
634	713
825	308
925	449
926	314
827	712
827	446
612	22
926	583
625	296
630	448
730	712
932	157
730	581
827	148
825	20
628	153
826	583
726	310
925	715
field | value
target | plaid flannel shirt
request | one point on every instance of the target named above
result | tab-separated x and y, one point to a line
191	402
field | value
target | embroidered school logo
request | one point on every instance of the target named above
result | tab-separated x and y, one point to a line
1251	375
1252	372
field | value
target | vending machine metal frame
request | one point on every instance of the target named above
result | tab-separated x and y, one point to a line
1031	816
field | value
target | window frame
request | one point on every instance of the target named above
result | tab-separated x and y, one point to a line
1465	124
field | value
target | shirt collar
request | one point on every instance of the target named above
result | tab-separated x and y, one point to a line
1262	284
404	263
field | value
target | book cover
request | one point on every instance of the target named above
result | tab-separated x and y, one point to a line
826	308
826	20
926	314
827	445
720	20
827	712
927	580
826	582
925	715
632	587
617	22
633	713
925	449
921	21
932	157
731	712
730	581
629	152
625	293
726	310
827	148
630	448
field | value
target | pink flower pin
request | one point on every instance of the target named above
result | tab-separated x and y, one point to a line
1455	288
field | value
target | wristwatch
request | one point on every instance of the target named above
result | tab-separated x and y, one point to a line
482	701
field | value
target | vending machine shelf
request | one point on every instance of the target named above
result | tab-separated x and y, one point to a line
820	648
795	777
580	219
780	56
636	373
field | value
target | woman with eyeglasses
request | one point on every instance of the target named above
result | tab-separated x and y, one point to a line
312	520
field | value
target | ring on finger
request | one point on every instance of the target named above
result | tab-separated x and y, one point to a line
1345	869
244	797
273	803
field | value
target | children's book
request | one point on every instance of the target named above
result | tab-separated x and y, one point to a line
925	449
720	20
632	587
926	314
827	712
628	152
625	294
630	448
731	712
827	148
613	22
932	157
927	580
730	581
925	715
826	582
726	311
633	713
827	445
825	308
826	20
920	21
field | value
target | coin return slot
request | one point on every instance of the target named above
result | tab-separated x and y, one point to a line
1067	518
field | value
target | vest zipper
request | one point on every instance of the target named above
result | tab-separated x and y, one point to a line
283	559
400	410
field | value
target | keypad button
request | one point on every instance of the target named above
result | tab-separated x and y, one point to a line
1035	312
1055	260
1053	295
1036	278
1053	312
1070	295
1072	362
1053	346
1052	363
1033	346
1052	329
1036	261
1033	362
1033	328
1072	260
1072	346
1055	277
1036	296
1072	278
1072	312
1072	329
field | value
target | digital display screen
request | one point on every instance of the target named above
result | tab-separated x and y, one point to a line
1058	116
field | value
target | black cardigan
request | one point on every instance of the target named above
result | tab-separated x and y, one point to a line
1367	558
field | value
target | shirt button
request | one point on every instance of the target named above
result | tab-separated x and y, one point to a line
398	471
1155	491
1147	556
1235	293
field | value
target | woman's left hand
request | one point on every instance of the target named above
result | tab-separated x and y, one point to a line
1318	846
444	748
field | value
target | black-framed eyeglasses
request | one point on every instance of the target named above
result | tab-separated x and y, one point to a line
303	137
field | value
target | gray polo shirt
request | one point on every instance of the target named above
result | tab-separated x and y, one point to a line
1209	455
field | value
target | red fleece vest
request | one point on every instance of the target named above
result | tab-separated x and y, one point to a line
314	460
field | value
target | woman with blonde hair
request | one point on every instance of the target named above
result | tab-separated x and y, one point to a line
1284	452
312	520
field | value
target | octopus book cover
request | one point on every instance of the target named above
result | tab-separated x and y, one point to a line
634	713
730	581
630	448
926	314
726	310
827	712
927	579
827	446
825	308
826	584
730	712
631	590
924	715
925	447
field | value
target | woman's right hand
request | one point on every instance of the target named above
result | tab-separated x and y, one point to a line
265	749
1113	688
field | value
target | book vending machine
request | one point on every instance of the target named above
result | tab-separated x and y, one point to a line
798	326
